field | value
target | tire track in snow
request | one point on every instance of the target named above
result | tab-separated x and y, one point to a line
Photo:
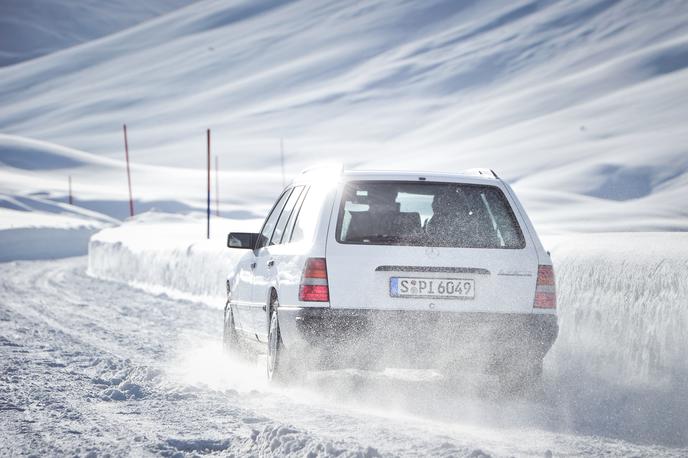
72	345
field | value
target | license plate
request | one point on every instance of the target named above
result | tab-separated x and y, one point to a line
440	288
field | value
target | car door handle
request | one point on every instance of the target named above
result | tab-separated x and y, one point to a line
253	265
271	263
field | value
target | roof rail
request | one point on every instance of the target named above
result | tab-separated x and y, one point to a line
331	168
480	172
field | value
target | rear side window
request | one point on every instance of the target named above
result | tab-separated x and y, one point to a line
271	221
281	225
309	214
289	230
427	214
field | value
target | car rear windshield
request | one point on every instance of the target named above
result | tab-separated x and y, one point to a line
427	214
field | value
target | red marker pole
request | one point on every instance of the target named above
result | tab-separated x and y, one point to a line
208	207
126	155
217	188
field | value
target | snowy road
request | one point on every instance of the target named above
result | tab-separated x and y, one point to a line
88	365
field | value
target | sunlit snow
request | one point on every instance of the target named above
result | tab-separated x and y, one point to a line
579	105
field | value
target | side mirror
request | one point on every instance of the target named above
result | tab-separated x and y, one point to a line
244	240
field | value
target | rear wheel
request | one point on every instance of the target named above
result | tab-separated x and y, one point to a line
230	340
274	357
281	366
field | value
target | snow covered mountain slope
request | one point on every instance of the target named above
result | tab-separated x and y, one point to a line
37	222
581	104
32	28
30	167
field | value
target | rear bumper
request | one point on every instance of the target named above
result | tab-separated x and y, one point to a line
414	338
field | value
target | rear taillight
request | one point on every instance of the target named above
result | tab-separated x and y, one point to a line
545	292
313	286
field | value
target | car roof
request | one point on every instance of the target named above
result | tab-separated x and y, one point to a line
473	174
477	175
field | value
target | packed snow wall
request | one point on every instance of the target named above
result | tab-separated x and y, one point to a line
619	365
623	306
168	254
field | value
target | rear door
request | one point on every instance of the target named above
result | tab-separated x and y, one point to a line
252	308
429	246
268	262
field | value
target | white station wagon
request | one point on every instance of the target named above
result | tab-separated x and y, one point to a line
375	269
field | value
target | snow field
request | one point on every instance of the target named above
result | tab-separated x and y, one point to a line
576	104
44	243
34	227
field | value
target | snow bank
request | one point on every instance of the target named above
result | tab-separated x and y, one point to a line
619	364
169	254
623	306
